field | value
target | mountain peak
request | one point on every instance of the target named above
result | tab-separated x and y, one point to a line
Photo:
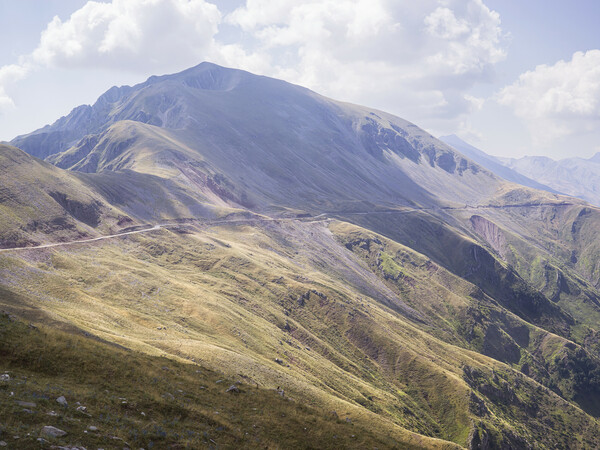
211	119
205	76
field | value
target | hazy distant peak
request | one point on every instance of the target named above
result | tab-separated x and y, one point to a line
574	176
499	166
542	158
458	143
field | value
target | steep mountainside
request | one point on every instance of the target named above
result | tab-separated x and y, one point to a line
38	200
338	255
40	203
574	176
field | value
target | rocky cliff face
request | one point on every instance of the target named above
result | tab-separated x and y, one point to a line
491	233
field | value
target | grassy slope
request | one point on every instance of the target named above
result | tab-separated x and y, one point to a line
40	203
380	333
554	248
152	402
462	314
237	298
37	200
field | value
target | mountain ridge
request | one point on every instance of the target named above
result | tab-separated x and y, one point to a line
189	111
577	177
102	106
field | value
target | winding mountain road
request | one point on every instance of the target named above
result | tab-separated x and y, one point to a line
318	218
155	228
81	241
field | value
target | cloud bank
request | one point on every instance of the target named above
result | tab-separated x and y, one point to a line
134	35
559	100
414	58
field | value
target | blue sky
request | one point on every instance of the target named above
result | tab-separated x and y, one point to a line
511	77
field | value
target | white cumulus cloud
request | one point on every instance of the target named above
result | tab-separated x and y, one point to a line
559	100
417	59
134	35
11	74
130	34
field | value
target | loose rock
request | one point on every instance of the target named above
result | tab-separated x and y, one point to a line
233	388
60	447
53	431
62	400
26	404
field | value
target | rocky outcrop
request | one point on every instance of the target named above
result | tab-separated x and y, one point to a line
491	233
88	213
376	138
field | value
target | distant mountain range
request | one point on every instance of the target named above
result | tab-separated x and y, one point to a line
492	163
578	177
409	292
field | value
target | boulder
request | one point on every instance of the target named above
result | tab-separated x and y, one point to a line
54	432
